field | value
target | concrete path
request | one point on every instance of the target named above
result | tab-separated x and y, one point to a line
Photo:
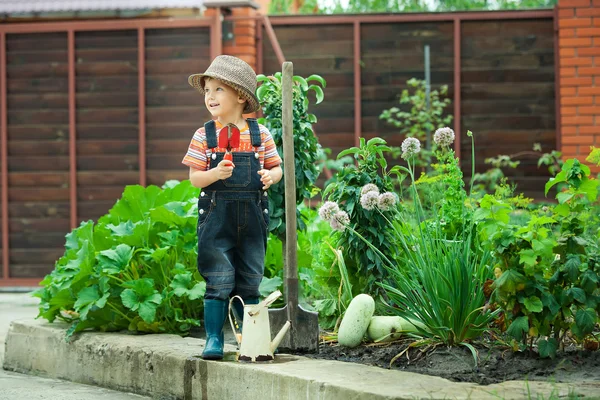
168	367
14	386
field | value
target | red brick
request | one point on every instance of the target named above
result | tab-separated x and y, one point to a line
569	130
578	120
589	130
245	40
574	3
595	3
574	22
589	91
576	100
244	30
567	13
567	71
573	149
584	81
594	110
569	91
587	12
596	41
596	21
567	32
584	32
584	71
574	42
575	61
566	52
568	111
578	139
587	51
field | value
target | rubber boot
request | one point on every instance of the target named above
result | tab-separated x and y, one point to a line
238	310
215	312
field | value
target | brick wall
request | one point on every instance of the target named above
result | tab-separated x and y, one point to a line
579	61
243	42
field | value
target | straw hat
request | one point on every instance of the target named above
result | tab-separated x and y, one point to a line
233	72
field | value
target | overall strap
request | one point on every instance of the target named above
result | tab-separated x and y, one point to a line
255	135
211	134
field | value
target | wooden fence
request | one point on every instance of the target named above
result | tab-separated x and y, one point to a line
88	108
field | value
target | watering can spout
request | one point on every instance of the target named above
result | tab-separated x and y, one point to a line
280	336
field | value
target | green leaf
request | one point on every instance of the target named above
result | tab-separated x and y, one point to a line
590	188
115	261
142	297
547	348
509	280
528	257
533	304
317	78
269	285
301	82
563	197
318	92
560	177
185	285
85	300
518	328
578	294
585	321
572	267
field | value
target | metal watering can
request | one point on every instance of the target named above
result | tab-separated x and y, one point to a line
256	344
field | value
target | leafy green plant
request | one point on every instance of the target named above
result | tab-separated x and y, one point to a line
419	119
548	270
430	280
134	269
306	146
345	188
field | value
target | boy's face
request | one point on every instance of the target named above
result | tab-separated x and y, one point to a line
222	100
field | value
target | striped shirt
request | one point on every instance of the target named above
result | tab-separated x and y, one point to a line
198	152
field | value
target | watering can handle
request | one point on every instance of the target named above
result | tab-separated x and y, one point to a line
237	336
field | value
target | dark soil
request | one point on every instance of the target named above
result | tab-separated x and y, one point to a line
457	364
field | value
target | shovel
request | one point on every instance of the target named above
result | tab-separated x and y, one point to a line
304	332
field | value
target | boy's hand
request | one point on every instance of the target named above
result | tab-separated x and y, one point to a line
266	178
224	169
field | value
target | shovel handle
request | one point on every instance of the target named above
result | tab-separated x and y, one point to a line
291	261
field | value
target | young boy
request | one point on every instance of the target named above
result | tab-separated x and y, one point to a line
233	205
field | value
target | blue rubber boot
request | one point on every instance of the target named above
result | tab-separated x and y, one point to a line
215	312
238	310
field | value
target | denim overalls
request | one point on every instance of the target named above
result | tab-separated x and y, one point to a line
233	216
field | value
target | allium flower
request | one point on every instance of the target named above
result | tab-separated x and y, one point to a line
410	147
339	221
369	187
386	201
443	137
328	210
369	200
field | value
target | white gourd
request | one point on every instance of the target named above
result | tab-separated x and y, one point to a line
356	320
388	328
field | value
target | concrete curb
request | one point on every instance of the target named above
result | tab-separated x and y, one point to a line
168	367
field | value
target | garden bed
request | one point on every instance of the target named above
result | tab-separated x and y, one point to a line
456	364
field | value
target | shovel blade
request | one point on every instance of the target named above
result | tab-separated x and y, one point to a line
303	336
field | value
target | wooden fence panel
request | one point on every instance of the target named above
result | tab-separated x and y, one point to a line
106	119
508	97
325	50
392	54
174	110
38	151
